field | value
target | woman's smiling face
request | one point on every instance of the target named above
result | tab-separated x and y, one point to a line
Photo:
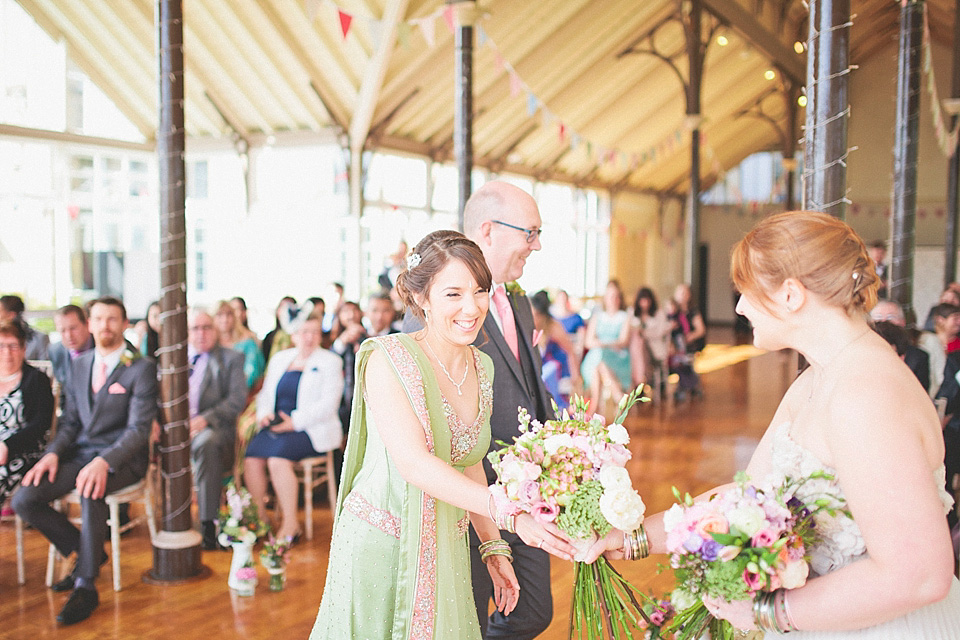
456	305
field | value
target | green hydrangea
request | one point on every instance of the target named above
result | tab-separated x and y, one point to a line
726	580
582	515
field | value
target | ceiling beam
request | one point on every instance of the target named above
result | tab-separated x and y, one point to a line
13	131
747	25
373	75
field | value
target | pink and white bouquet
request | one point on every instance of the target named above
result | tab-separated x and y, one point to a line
742	541
571	472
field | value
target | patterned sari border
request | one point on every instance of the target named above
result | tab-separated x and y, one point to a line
375	517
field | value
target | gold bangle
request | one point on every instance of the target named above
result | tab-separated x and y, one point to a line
643	542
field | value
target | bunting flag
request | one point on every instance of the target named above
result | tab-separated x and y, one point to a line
345	20
450	18
313	8
376	32
947	137
427	28
403	34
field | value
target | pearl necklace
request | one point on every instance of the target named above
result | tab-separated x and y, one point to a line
466	369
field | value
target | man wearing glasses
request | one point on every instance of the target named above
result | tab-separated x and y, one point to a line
505	222
217	394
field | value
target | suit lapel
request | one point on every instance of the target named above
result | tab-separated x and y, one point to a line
82	382
210	375
496	335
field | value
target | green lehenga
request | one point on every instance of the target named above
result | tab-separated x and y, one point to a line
399	559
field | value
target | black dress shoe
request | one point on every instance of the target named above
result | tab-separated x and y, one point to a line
209	532
66	584
79	606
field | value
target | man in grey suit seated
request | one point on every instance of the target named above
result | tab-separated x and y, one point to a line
75	339
218	393
100	447
505	222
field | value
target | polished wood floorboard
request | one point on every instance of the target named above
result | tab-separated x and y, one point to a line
692	445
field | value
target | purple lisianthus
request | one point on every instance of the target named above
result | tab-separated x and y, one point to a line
710	550
693	543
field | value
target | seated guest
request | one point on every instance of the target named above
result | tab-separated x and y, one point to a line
149	330
100	447
346	344
240	308
378	321
218	393
11	310
689	337
650	343
950	391
916	358
234	336
26	409
946	326
607	363
950	295
297	415
561	362
278	339
75	339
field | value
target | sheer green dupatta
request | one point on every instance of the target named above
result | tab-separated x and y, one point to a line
428	539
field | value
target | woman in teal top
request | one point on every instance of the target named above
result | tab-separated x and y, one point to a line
412	480
233	335
607	363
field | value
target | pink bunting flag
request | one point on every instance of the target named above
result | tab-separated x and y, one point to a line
562	132
449	18
516	84
345	20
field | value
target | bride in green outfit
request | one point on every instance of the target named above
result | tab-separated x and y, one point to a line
412	479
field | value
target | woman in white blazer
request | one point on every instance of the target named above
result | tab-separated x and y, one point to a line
297	415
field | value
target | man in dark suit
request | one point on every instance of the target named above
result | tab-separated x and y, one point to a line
100	447
505	222
75	339
218	392
915	358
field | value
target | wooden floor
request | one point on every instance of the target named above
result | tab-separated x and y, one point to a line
691	445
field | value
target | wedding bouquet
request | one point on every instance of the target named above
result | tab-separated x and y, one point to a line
570	472
240	519
740	542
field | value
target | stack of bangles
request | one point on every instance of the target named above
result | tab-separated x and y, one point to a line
771	613
635	545
495	547
504	521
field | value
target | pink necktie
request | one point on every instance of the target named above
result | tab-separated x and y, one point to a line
508	324
100	377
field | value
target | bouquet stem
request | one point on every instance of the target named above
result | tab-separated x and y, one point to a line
604	606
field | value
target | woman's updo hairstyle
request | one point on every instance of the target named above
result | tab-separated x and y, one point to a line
819	250
429	257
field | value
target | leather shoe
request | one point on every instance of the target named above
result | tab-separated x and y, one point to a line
79	606
209	533
66	584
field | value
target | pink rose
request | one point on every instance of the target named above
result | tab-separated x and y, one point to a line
754	581
764	538
528	492
544	512
712	523
657	618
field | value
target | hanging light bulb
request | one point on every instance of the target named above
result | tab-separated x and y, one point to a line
722	40
802	101
769	74
799	47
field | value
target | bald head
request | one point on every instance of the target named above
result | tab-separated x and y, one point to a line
888	311
498	217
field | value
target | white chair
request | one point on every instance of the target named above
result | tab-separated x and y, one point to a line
141	492
316	471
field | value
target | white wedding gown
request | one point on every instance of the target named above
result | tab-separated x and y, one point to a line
843	544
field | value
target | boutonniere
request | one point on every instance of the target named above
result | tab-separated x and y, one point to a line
128	356
515	288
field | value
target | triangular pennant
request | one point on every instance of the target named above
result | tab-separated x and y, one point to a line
546	117
516	84
313	8
345	20
481	35
562	132
498	60
376	32
449	18
531	104
403	34
427	28
574	141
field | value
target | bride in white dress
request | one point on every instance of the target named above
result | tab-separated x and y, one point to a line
858	412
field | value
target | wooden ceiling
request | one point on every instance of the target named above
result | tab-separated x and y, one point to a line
583	91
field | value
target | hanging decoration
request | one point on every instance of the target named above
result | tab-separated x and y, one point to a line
946	136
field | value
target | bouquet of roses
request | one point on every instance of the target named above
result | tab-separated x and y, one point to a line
742	541
240	519
570	472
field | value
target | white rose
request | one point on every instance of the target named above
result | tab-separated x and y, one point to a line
617	434
682	599
748	519
672	517
623	508
552	444
612	477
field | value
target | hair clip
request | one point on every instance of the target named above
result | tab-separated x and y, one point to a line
413	260
855	274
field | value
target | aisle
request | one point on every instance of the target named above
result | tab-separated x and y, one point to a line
694	446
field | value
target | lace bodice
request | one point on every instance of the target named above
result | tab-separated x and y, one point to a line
841	541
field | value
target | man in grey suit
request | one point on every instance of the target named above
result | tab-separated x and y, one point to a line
218	393
100	447
505	222
75	339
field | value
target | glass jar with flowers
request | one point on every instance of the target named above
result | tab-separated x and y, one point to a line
240	527
273	556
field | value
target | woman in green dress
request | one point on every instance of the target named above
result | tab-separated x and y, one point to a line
412	479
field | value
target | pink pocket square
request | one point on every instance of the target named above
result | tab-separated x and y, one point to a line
116	388
537	334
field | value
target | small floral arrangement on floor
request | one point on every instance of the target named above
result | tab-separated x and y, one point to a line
570	471
240	519
741	542
273	556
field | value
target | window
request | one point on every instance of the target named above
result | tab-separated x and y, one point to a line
197	179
